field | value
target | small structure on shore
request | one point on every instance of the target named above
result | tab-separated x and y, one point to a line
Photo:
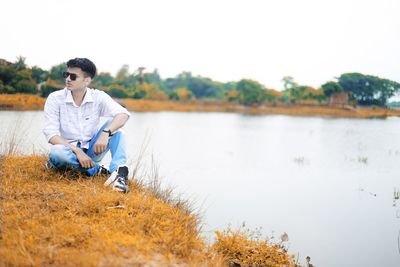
339	99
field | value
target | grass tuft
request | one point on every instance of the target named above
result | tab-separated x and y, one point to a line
243	247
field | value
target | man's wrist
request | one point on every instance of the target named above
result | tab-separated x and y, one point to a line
107	131
75	149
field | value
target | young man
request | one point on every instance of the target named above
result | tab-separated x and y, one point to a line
72	117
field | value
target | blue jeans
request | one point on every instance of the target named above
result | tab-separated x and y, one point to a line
62	157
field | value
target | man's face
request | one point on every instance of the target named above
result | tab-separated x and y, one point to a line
79	83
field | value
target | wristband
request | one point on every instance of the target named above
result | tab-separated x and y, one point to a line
107	131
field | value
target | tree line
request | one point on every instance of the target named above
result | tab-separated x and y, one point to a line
363	89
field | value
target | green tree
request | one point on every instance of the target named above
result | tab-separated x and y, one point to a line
26	87
8	89
367	89
7	73
232	95
180	81
117	92
201	87
331	87
152	77
271	95
39	75
24	83
122	76
250	92
103	79
289	83
229	86
139	93
50	86
140	74
205	88
305	92
181	94
289	91
153	91
20	64
56	72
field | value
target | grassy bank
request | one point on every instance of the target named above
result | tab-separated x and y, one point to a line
21	102
30	102
65	219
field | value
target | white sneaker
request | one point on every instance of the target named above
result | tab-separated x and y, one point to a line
118	180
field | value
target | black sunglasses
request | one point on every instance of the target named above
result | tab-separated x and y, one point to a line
73	76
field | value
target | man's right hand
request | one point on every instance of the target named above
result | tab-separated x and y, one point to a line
85	161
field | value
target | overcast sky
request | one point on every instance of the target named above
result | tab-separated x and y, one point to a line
226	40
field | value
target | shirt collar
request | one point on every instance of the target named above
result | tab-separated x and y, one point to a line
88	96
68	96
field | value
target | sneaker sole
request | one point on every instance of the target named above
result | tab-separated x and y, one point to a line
110	179
121	190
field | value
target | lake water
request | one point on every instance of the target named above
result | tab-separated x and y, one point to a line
329	183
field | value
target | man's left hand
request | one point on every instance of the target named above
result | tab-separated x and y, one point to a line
101	143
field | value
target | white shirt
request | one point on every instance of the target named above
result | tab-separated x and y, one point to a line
78	124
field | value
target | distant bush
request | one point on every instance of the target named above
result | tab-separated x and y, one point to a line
157	95
250	92
139	94
232	95
331	87
153	91
49	87
272	95
7	89
117	93
181	94
26	86
45	90
17	78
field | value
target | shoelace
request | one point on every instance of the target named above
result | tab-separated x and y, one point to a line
121	180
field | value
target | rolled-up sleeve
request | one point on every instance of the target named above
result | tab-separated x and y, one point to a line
51	118
109	107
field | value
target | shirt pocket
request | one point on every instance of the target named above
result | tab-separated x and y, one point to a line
90	121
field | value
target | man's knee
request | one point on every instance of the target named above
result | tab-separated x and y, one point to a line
117	140
59	153
120	134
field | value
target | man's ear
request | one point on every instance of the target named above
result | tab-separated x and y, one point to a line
88	80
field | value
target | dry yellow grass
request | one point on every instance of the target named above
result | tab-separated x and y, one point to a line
21	102
181	106
278	108
241	249
50	219
348	112
66	219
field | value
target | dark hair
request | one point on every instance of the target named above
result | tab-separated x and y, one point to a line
84	64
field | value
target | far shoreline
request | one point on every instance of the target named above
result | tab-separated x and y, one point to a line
25	102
